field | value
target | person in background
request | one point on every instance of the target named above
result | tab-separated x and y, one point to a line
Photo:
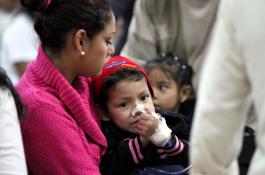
61	129
137	136
232	80
19	41
181	27
123	11
6	7
171	80
12	156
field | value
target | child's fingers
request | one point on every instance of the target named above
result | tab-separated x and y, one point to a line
148	121
141	128
145	128
146	116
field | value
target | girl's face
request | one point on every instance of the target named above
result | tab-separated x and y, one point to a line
99	49
165	88
123	98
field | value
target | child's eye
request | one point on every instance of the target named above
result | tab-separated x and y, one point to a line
123	105
145	97
163	87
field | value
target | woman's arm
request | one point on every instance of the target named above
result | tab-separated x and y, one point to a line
55	144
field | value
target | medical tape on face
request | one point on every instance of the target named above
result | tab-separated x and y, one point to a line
138	108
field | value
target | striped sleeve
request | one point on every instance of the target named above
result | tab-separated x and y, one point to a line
174	149
135	147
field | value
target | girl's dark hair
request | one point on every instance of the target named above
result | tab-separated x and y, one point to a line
60	17
111	81
173	66
6	82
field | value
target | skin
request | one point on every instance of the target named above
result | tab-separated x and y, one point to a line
9	5
123	98
21	67
99	50
167	94
165	89
72	63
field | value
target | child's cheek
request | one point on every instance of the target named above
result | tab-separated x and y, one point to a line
150	108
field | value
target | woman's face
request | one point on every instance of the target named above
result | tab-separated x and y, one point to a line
165	90
124	98
99	49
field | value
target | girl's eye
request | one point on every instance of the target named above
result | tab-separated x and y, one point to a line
163	87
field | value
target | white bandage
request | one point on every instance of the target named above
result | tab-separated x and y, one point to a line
137	109
162	133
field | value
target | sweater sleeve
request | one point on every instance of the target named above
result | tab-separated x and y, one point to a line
122	158
54	143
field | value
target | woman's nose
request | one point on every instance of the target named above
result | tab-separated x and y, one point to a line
155	98
111	50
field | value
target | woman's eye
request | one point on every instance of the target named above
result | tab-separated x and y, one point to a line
108	42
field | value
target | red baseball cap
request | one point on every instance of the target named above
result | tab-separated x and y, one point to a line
114	64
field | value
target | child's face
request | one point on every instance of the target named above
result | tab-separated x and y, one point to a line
123	99
165	88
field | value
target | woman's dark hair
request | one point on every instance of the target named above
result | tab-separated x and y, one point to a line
111	81
6	82
60	17
173	66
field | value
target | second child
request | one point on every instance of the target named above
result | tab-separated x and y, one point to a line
171	80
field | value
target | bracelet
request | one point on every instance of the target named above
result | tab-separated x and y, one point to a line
170	143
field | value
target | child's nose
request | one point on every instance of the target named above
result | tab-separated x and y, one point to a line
155	93
155	99
137	113
139	109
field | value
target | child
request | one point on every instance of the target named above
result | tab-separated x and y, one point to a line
171	80
137	136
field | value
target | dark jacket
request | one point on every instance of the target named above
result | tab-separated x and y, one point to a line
187	109
126	154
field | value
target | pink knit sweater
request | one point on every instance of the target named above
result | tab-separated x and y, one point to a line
61	131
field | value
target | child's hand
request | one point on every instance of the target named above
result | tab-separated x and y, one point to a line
147	125
163	132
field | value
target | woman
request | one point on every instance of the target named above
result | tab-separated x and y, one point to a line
12	157
61	129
